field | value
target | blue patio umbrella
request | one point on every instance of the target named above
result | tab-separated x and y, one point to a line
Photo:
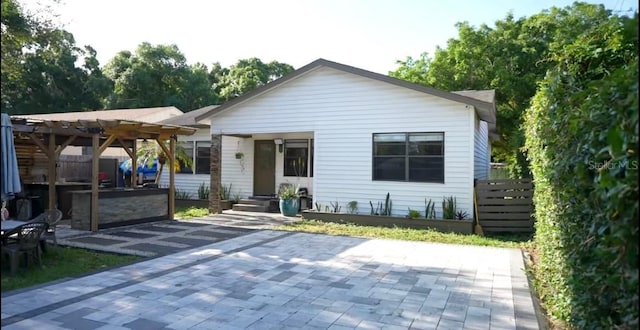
10	173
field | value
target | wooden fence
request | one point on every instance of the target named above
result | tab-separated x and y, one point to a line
505	205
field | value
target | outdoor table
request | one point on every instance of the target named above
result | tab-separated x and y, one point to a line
10	224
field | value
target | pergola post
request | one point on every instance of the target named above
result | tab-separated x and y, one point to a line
216	174
95	168
172	176
52	176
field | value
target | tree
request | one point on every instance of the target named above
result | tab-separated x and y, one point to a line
39	72
248	74
148	152
511	58
156	76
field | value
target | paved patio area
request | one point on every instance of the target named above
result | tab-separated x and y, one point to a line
269	279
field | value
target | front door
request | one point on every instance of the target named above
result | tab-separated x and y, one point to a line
264	167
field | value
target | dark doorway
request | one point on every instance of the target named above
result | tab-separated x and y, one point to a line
264	168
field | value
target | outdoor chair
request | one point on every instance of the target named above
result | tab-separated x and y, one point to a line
26	242
52	218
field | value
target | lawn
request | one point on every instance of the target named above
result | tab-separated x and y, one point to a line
60	263
312	226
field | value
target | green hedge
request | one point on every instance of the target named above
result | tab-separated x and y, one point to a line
582	141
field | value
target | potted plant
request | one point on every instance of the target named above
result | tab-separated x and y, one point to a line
288	201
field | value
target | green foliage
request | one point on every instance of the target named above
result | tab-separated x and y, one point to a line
414	214
181	194
429	209
582	139
236	197
225	191
335	207
60	263
377	210
388	204
148	151
352	207
510	58
191	212
449	207
288	192
203	191
157	75
382	209
248	74
461	215
42	70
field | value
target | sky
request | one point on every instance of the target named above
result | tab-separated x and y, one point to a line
369	34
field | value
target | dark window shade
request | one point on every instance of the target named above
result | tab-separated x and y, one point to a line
203	157
415	157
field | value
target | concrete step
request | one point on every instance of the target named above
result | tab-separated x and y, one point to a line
250	207
258	202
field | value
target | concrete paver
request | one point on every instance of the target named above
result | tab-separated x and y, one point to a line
267	279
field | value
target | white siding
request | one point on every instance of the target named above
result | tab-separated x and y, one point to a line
189	182
482	154
237	172
343	111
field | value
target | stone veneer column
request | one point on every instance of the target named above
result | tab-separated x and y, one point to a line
216	174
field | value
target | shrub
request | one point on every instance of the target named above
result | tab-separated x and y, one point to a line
181	194
582	140
414	214
225	191
449	207
203	191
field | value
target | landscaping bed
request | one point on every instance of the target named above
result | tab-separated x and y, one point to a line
441	225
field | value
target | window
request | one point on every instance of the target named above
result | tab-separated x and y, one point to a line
187	146
203	157
296	157
415	157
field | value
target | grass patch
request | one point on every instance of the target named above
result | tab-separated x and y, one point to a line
190	212
312	226
60	263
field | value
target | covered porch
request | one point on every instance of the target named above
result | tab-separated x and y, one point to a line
256	165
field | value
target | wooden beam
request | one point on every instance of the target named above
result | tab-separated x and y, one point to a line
164	148
95	167
48	130
124	146
64	145
52	176
40	144
172	175
106	144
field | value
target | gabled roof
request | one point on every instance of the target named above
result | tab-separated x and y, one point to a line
189	118
138	114
478	99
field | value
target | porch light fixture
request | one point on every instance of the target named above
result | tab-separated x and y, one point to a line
279	143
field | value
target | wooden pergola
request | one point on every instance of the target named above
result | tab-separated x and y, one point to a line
50	137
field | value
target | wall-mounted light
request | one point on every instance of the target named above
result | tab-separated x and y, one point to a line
279	143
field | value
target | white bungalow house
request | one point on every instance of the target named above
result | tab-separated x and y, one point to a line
347	134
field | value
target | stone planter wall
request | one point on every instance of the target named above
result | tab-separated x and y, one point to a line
441	225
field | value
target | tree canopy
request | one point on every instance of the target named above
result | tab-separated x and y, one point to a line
40	72
510	57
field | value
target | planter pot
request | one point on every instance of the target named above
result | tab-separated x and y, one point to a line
289	207
441	225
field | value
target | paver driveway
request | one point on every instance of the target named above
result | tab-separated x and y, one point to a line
279	280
